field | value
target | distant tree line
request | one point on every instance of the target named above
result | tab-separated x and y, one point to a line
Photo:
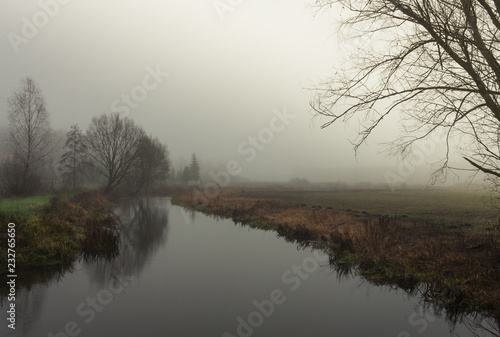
113	150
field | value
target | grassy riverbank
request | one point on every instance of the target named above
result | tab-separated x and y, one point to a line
55	230
24	206
453	261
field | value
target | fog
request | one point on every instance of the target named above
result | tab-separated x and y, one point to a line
203	81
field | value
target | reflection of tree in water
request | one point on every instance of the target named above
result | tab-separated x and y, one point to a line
143	225
479	326
31	287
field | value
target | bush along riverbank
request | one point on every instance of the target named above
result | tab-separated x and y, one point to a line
60	231
454	266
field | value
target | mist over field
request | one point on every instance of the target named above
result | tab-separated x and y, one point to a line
202	78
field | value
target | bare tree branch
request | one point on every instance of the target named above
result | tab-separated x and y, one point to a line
113	145
436	66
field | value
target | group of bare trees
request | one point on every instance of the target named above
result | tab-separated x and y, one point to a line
121	152
113	147
435	62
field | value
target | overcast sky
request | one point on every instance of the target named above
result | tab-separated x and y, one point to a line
229	72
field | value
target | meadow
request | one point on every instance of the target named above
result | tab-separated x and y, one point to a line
446	205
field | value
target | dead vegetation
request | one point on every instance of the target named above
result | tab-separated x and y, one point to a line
456	266
62	230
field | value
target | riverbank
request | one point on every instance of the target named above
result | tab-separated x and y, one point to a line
59	230
454	264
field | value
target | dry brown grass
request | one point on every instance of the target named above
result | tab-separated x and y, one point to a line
457	267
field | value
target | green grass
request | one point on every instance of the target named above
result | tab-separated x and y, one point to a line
27	206
24	206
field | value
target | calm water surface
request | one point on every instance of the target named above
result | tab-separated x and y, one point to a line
187	274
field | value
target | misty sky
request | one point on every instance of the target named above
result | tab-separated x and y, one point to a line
228	72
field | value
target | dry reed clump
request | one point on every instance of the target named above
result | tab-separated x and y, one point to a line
460	268
289	220
88	212
101	236
92	201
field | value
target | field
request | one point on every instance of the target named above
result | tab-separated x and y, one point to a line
433	205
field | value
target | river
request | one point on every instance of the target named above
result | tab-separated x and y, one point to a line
180	273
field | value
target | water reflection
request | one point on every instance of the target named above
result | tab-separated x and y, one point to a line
31	288
451	311
478	326
188	215
144	224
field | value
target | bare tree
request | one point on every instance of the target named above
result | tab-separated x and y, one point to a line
150	167
30	133
435	62
113	146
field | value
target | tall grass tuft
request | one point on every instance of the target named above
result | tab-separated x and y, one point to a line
101	236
